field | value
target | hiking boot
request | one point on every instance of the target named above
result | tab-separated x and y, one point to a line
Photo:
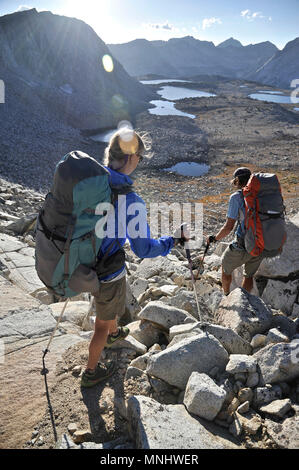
101	373
122	333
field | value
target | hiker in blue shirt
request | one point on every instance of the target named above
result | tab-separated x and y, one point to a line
124	152
236	255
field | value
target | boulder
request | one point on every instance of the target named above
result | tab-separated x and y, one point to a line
82	435
16	259
277	408
186	301
212	261
169	264
183	329
164	315
284	324
281	295
75	312
130	343
200	353
230	340
275	336
203	397
265	395
239	363
139	287
65	442
145	332
250	422
8	243
26	278
12	298
246	314
258	341
245	395
286	434
213	299
155	426
180	337
252	380
288	262
132	306
141	361
35	322
278	362
169	290
44	296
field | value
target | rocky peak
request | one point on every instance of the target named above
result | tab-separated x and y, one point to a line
231	42
18	17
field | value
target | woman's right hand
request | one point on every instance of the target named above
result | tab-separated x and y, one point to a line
182	234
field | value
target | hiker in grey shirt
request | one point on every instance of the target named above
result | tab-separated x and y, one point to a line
236	255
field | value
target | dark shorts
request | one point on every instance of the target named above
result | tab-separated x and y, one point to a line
234	257
111	299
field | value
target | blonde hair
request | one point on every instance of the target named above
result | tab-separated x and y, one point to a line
123	143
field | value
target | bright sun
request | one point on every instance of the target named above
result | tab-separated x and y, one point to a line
93	12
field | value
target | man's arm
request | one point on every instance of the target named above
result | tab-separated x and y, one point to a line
232	217
226	229
223	232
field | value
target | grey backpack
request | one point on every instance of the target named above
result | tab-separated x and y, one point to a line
66	242
265	228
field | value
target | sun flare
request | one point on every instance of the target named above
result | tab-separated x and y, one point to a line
93	12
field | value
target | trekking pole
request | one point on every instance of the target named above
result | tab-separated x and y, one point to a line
193	282
45	371
57	323
201	269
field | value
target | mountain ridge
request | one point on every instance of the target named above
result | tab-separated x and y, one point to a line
190	56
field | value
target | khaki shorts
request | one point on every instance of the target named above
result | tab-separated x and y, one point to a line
111	299
233	257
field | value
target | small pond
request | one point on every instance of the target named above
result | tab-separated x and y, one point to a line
167	108
274	98
179	93
158	82
189	169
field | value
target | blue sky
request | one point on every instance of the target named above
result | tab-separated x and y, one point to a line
117	21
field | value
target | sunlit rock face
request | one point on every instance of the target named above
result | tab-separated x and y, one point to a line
282	68
62	62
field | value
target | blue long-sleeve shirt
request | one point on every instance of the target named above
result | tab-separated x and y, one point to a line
130	219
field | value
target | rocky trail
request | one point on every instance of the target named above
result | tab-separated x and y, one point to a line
231	382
